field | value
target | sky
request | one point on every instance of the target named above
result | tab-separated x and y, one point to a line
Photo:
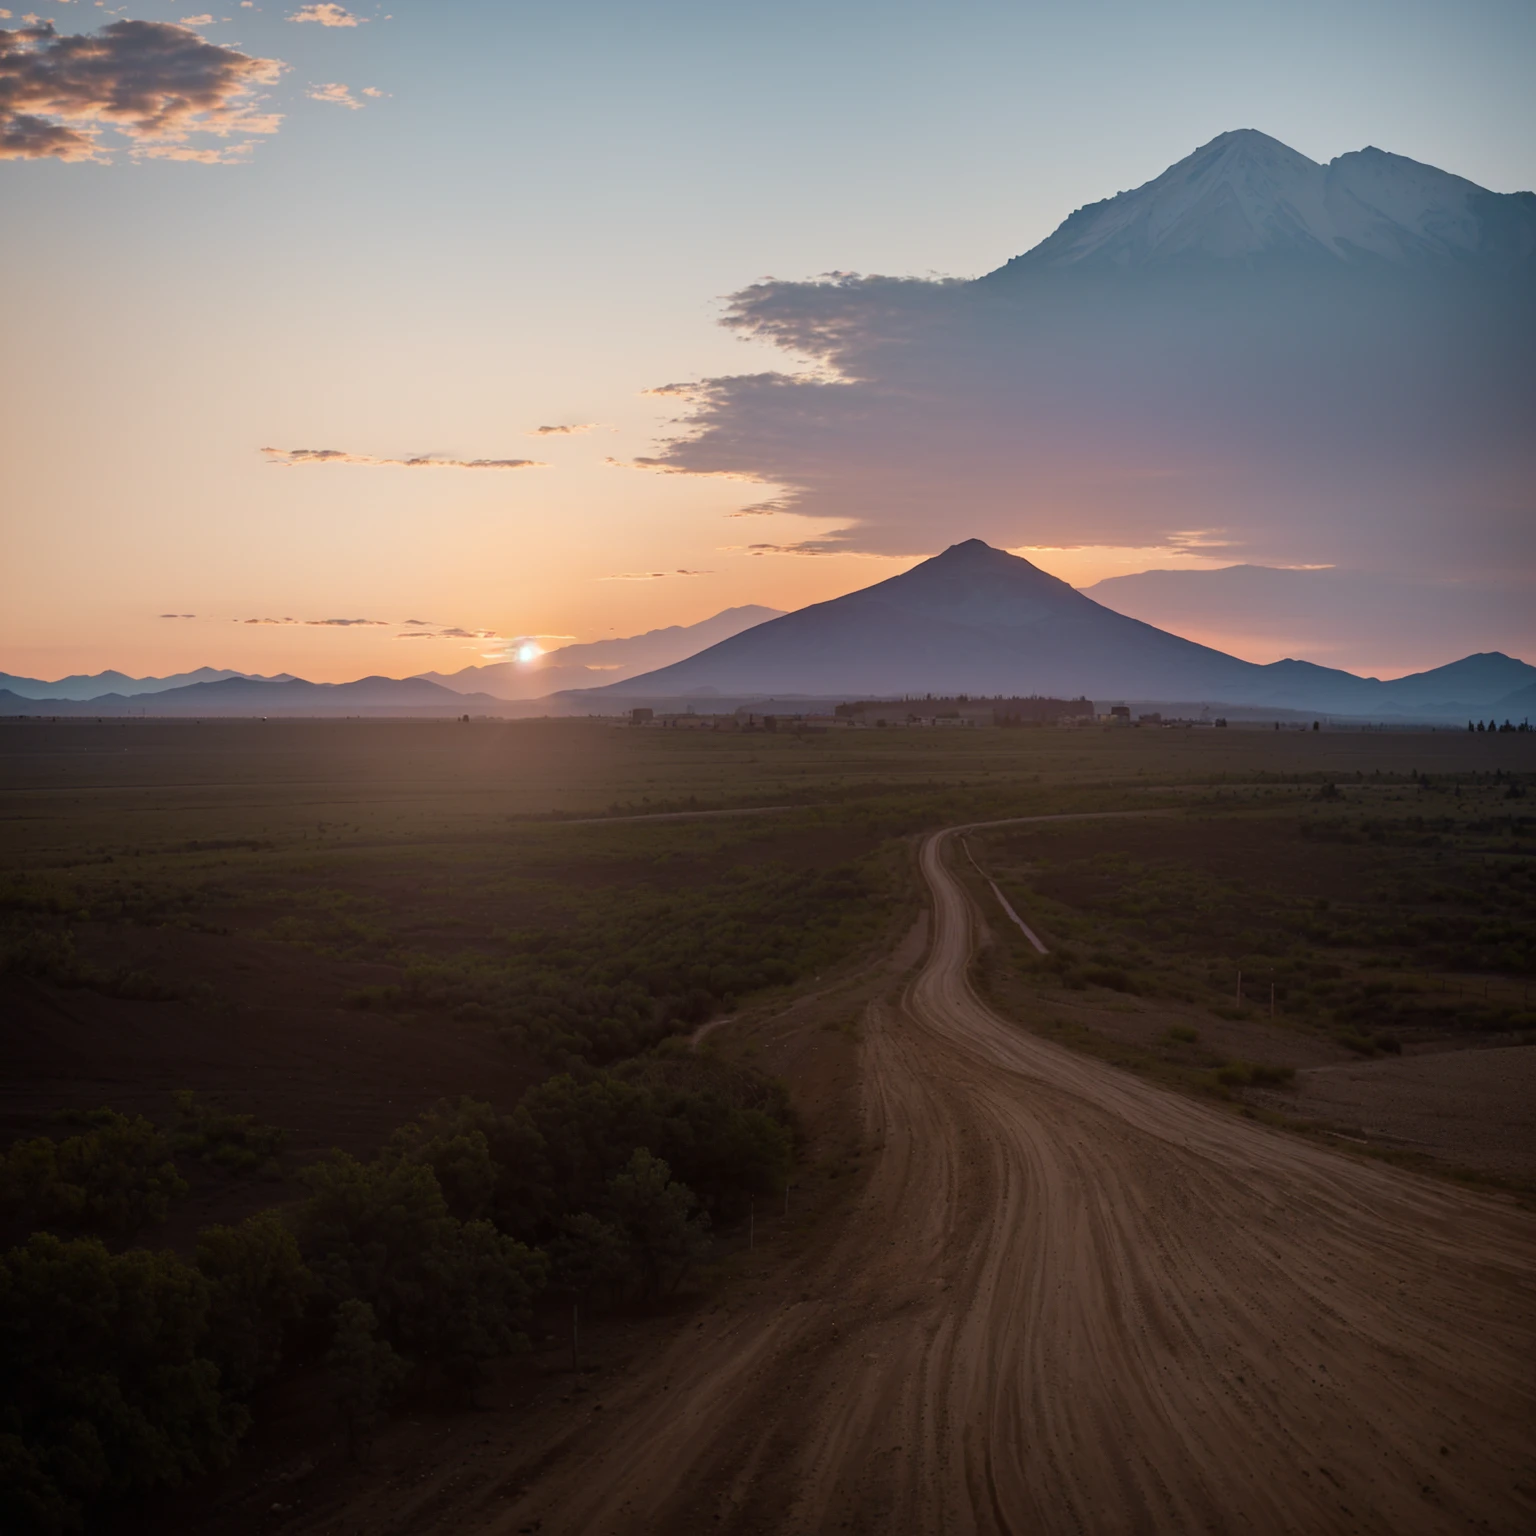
426	231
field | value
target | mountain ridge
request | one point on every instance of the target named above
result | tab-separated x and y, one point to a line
1245	197
976	619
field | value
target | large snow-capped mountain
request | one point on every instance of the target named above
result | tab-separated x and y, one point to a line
1248	198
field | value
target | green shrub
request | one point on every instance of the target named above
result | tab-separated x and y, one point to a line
114	1178
220	1139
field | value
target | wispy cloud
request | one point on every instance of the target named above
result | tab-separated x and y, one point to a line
652	575
566	431
341	95
178	615
294	458
317	623
153	82
327	14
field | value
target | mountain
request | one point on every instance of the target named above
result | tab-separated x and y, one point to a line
1517	706
259	696
1247	198
979	620
601	661
1394	618
81	686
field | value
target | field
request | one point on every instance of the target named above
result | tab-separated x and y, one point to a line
321	930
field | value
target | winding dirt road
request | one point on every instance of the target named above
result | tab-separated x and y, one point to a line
1071	1302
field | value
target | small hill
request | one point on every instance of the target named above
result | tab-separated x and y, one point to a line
598	662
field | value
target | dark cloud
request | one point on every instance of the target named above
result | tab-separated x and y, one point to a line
575	429
150	81
293	458
178	615
1359	419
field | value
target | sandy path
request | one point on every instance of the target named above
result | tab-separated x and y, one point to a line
1068	1301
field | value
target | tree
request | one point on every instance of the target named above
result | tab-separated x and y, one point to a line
487	1164
258	1285
367	1370
587	1255
104	1389
451	1291
656	1217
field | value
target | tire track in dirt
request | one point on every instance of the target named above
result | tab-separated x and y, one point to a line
1068	1301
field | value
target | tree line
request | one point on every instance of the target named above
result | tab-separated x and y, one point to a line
126	1368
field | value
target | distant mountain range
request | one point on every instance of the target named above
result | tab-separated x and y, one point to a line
95	686
248	696
600	661
979	620
973	620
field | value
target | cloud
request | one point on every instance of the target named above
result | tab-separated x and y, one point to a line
178	615
328	15
197	21
1337	419
450	632
293	458
335	92
570	431
652	575
318	623
152	82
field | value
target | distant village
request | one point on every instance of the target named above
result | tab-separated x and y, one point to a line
961	712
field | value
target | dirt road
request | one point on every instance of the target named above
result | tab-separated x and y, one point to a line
1071	1302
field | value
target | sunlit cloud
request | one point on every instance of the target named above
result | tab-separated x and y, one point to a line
565	431
335	92
327	15
197	21
652	575
294	458
153	82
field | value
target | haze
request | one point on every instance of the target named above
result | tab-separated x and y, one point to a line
533	221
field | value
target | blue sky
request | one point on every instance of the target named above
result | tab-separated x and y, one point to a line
535	221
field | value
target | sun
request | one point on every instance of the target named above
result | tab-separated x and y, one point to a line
528	650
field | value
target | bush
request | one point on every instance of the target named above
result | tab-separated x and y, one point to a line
1254	1074
113	1179
234	1143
